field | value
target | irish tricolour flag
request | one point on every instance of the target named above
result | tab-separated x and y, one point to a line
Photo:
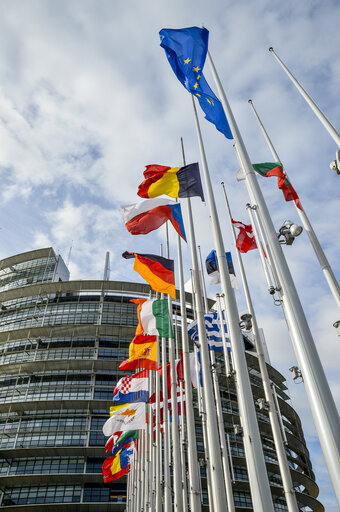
153	317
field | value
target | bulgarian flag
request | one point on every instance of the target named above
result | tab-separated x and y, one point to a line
153	317
268	169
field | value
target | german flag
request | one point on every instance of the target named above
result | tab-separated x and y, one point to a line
171	181
156	270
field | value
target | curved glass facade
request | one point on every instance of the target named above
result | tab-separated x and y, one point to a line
61	343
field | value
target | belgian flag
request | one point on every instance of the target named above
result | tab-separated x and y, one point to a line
156	270
171	181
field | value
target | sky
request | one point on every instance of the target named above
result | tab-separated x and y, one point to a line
87	99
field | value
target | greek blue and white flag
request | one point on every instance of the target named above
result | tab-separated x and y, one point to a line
213	330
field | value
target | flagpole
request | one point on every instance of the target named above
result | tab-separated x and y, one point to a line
258	240
139	474
166	462
128	492
182	442
140	486
217	485
206	308
319	114
224	340
223	444
146	463
193	468
320	399
166	452
183	449
267	263
201	406
258	478
134	494
287	482
177	476
324	264
157	450
148	443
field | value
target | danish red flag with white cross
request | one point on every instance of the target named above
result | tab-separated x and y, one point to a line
245	240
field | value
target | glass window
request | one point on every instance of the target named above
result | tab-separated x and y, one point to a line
242	499
94	464
41	494
47	465
113	493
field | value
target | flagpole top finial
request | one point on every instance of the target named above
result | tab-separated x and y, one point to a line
250	101
271	49
222	182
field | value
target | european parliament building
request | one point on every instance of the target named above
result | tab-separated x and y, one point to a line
61	344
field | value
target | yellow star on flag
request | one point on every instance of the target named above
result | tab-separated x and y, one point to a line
198	77
187	61
196	69
196	85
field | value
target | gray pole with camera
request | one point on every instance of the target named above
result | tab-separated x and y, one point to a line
273	413
257	472
319	395
324	264
335	165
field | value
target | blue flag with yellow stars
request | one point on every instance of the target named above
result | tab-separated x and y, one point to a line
186	50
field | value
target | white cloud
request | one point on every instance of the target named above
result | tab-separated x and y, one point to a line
88	99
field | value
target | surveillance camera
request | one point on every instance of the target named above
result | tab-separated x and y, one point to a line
333	166
295	230
245	321
337	326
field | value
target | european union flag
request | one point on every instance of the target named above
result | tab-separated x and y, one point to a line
186	50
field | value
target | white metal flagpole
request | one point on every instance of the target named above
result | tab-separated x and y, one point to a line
258	478
157	448
193	468
166	455
324	264
223	443
224	339
287	482
215	463
201	406
321	116
177	473
320	398
214	460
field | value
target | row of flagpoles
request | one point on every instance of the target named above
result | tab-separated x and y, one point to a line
146	456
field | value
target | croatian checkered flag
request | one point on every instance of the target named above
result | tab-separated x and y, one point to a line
213	330
132	388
